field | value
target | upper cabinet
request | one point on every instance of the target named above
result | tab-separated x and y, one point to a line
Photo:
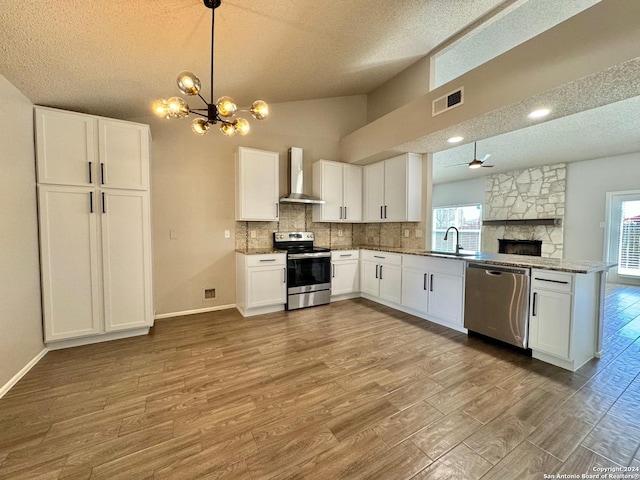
77	149
340	186
257	185
393	189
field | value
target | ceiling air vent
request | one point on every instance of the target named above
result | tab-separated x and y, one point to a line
448	101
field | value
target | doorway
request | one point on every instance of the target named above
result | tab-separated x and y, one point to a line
622	244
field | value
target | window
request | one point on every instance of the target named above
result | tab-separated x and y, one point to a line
629	246
466	218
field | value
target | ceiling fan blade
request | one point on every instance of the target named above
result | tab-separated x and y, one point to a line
486	166
485	158
458	165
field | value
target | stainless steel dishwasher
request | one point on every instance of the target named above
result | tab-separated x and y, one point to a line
496	302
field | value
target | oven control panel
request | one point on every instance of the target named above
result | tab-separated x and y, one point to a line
293	236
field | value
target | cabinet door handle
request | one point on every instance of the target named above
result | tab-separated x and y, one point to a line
552	281
345	213
380	272
268	260
101	173
377	270
277	210
104	206
333	271
90	202
381	207
431	282
284	275
90	169
385	211
340	213
424	287
535	303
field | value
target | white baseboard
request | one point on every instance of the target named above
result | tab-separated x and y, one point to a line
7	386
193	312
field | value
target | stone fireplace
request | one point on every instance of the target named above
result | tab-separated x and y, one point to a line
520	247
526	205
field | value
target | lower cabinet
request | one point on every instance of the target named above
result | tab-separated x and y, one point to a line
563	317
381	275
345	272
434	287
96	261
261	283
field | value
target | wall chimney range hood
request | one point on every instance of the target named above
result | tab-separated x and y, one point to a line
296	180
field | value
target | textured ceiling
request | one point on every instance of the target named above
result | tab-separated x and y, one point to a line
115	57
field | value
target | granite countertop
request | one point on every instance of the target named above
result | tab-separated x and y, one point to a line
524	261
259	251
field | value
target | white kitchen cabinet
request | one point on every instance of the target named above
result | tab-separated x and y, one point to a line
434	288
95	241
340	186
124	154
381	275
126	259
345	273
393	189
77	149
66	147
257	185
261	283
68	221
563	317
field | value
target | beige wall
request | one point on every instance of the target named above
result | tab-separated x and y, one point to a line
193	192
20	314
411	83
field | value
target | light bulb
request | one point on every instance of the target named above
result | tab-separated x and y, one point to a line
226	107
259	109
188	83
200	126
241	126
161	108
177	107
228	129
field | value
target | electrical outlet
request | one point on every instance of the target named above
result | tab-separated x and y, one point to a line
209	293
173	234
252	234
406	232
340	232
418	233
227	234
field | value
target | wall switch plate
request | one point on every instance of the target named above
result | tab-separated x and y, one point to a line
340	232
227	234
252	234
209	293
406	232
173	234
418	233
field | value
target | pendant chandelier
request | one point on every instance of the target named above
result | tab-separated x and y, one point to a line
221	112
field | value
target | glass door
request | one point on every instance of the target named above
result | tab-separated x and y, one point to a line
623	237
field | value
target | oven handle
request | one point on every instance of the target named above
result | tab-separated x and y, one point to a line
296	256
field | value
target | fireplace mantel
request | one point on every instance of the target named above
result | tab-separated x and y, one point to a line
556	222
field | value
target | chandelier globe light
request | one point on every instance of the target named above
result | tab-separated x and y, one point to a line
221	112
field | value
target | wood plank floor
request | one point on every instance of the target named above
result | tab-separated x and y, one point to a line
348	390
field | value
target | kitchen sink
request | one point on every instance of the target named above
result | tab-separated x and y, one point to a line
461	254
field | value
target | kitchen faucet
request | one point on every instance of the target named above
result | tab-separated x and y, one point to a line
458	246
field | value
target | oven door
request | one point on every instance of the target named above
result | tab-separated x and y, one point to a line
308	272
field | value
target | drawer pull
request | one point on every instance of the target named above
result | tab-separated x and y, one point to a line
268	260
379	256
346	254
551	281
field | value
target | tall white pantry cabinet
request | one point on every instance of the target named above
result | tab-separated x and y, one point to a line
95	227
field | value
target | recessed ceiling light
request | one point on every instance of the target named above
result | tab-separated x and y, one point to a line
543	112
455	139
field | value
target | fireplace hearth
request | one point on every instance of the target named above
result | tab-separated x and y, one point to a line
520	247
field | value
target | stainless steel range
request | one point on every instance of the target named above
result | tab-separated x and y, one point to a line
308	269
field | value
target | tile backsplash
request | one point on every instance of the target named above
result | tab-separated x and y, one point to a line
298	217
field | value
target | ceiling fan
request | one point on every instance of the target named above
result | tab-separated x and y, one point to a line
475	163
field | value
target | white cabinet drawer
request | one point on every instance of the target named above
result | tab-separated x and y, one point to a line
344	255
550	280
382	257
266	260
